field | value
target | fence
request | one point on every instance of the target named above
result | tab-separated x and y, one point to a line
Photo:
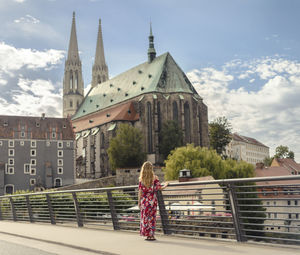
259	209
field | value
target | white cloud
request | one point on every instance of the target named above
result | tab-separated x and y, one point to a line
20	93
33	97
12	59
270	113
19	1
27	19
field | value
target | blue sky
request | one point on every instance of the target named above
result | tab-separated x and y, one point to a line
243	56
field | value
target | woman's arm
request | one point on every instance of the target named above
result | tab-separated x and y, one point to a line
165	185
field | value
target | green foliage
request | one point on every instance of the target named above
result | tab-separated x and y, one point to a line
268	161
126	149
219	132
203	162
284	152
171	137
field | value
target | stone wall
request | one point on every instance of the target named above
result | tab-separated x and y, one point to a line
109	181
130	176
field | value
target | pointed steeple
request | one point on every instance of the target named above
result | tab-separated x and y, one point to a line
73	87
73	45
151	49
100	70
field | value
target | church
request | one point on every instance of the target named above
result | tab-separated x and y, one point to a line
144	96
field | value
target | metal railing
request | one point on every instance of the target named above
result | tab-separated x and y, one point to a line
259	209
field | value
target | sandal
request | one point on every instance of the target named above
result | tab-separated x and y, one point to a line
152	238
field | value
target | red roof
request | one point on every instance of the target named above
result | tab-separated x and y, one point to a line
38	127
124	112
246	139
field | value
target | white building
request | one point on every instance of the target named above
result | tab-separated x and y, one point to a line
247	149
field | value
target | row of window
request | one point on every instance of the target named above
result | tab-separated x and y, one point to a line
11	153
284	192
9	188
11	162
11	143
289	215
29	169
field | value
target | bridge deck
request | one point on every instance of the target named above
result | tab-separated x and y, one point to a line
108	242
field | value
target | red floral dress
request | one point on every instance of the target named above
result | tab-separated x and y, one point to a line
148	208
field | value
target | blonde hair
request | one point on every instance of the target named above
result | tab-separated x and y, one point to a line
147	175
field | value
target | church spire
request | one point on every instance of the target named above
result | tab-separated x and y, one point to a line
151	49
73	87
73	45
100	70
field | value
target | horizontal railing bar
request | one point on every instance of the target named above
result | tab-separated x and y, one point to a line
273	238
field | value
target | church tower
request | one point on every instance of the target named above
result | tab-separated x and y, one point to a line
73	89
100	70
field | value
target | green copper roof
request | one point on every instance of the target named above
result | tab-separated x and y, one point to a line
162	75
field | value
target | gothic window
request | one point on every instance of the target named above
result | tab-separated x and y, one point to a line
76	81
149	124
98	79
71	81
158	117
77	103
71	103
103	78
102	140
200	126
187	125
175	111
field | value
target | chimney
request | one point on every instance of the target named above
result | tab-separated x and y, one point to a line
43	116
260	165
184	175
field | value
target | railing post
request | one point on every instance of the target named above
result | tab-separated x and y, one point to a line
77	210
113	211
29	209
13	209
51	214
163	213
240	237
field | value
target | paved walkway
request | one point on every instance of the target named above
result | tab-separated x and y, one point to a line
84	241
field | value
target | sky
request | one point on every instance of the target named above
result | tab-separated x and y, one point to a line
242	56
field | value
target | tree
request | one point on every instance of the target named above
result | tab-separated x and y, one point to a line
126	148
284	152
268	161
219	131
171	137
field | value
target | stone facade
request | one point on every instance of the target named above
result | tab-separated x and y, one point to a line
130	176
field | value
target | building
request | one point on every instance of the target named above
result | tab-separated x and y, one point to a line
36	153
247	149
281	199
291	165
144	96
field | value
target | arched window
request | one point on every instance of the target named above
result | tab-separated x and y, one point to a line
9	189
57	182
76	81
77	103
103	78
71	81
158	117
71	103
102	142
149	124
187	125
99	79
200	126
175	111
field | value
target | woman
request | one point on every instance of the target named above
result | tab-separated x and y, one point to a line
147	200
